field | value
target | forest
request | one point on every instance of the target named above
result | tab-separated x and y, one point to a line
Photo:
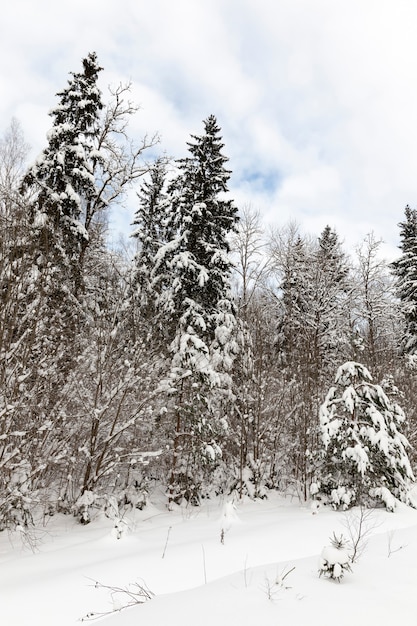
211	356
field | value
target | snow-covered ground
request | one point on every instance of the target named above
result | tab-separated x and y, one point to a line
265	572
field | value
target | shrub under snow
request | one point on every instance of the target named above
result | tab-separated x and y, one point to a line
334	559
364	457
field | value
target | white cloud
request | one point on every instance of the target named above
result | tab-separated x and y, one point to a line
316	99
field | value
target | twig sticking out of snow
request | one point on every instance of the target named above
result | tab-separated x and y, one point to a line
359	525
392	550
122	598
273	588
166	542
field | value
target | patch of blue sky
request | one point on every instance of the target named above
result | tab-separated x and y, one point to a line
260	181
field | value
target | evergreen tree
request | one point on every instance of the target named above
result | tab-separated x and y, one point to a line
314	285
191	276
198	224
364	455
150	236
331	305
61	185
296	276
405	271
313	331
63	176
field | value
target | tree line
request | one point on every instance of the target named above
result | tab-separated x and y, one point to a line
197	365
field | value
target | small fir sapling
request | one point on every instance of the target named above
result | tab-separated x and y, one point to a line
334	559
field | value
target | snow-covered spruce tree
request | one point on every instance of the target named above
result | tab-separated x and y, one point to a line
45	238
313	332
150	236
63	176
61	184
112	371
88	164
405	282
191	276
329	318
334	559
292	255
405	271
364	453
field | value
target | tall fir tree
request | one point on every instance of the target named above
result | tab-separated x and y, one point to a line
315	316
313	331
62	178
198	223
191	276
150	236
295	278
331	304
60	186
44	263
405	271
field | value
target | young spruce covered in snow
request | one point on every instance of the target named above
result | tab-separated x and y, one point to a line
364	456
334	559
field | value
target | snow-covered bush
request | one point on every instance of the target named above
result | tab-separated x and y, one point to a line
15	504
334	559
82	507
364	456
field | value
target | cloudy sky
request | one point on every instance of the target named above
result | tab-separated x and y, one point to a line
317	99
